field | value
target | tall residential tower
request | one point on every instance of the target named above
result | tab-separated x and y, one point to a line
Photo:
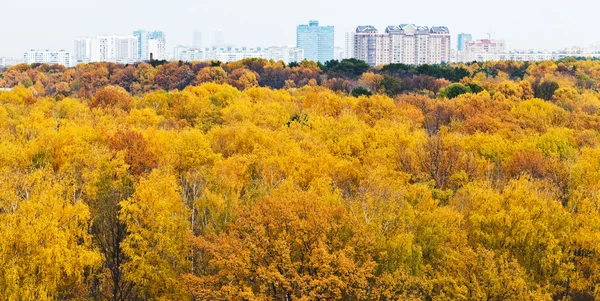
406	44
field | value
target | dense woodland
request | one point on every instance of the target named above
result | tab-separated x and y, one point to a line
254	180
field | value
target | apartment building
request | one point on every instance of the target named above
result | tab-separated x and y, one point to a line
107	48
483	50
61	57
406	43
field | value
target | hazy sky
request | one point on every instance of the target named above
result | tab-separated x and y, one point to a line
53	24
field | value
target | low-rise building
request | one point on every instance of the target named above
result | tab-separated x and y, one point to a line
483	50
61	57
231	54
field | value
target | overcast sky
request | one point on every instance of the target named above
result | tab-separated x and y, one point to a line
53	24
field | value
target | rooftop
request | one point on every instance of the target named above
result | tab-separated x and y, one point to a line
366	28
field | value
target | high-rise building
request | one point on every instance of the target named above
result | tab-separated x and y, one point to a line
197	39
157	46
371	46
61	57
463	38
219	38
142	37
316	41
151	42
349	50
407	44
439	45
107	48
83	50
114	48
417	45
2	62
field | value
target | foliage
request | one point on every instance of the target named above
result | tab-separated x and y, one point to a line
454	90
360	91
253	180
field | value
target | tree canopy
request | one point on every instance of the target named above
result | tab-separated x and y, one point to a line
253	180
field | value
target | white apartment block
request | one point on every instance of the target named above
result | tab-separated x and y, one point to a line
231	54
285	54
10	61
496	50
528	56
107	48
116	49
187	54
61	57
339	53
157	49
483	50
349	49
82	50
407	44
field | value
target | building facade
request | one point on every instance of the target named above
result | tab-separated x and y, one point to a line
462	40
371	46
157	46
197	40
61	57
127	49
142	38
339	53
316	41
117	49
285	54
151	43
406	44
483	50
82	51
231	54
219	38
349	39
11	61
107	48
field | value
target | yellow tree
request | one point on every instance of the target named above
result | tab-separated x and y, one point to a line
291	245
45	250
157	225
211	75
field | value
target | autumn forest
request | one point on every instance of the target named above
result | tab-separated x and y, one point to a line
257	180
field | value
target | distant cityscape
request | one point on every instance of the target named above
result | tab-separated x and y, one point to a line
405	43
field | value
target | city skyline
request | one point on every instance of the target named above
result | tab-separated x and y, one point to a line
196	39
242	27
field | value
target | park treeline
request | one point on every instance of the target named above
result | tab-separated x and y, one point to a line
254	180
